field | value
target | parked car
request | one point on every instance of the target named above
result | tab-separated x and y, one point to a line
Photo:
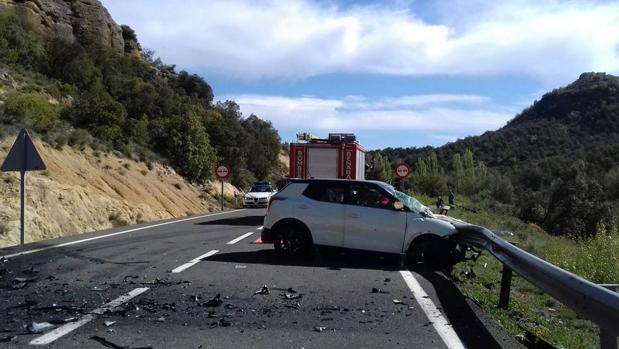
364	215
259	195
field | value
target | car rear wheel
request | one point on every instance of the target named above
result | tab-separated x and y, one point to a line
434	251
292	240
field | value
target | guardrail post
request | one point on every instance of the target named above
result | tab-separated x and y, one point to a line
506	284
607	339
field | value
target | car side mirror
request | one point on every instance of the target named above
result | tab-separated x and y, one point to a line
399	206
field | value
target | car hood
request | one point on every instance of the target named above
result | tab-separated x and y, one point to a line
259	195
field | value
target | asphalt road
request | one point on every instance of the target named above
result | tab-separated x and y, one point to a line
158	283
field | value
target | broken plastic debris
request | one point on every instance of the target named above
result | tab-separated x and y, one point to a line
214	302
263	290
38	327
319	328
7	339
397	301
291	296
378	290
240	266
108	323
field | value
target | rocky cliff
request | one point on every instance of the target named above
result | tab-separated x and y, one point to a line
85	22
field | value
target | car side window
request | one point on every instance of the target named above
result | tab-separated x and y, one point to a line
368	196
326	192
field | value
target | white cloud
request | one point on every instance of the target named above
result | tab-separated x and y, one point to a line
550	40
447	117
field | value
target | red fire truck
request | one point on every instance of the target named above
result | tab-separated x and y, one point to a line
338	156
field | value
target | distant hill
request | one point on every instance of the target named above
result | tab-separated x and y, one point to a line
569	136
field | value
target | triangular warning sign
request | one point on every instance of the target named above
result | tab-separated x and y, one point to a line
23	156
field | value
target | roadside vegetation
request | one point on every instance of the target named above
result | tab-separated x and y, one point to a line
87	95
533	316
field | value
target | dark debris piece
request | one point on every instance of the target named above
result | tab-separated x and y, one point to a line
264	290
319	328
30	271
109	344
378	290
221	323
289	296
213	302
7	339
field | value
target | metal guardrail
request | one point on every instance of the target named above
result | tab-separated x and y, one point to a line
589	300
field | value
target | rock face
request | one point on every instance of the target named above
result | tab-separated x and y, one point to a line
85	22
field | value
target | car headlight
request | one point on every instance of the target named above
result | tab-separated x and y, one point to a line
249	197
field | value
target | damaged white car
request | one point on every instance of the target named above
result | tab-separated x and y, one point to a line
364	215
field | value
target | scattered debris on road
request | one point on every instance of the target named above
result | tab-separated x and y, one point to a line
264	290
319	328
109	344
38	327
240	266
289	296
7	339
378	290
109	323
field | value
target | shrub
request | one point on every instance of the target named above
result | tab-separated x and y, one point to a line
18	45
79	137
31	109
596	258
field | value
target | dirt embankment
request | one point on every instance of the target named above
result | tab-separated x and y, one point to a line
86	190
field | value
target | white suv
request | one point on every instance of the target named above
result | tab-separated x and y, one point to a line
364	215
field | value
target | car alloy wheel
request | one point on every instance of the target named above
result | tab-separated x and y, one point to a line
292	241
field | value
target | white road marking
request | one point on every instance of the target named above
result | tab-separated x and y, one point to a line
67	328
232	242
441	325
112	234
193	262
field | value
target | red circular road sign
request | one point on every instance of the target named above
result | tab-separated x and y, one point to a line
223	171
402	170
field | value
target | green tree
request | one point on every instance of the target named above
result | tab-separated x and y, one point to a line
429	176
100	114
185	142
379	167
261	146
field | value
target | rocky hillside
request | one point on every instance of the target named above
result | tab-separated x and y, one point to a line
86	190
85	22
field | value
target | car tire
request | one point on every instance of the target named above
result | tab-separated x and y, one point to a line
292	240
434	252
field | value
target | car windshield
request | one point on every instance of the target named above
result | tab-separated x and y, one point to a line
261	189
408	201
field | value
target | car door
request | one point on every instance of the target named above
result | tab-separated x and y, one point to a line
323	211
372	223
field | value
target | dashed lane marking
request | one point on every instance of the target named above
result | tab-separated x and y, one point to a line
193	262
112	234
234	241
441	325
67	328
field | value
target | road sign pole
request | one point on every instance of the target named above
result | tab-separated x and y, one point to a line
22	221
222	195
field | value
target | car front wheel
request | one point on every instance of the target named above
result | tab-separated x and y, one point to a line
434	252
292	240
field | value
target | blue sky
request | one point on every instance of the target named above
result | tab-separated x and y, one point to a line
397	73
